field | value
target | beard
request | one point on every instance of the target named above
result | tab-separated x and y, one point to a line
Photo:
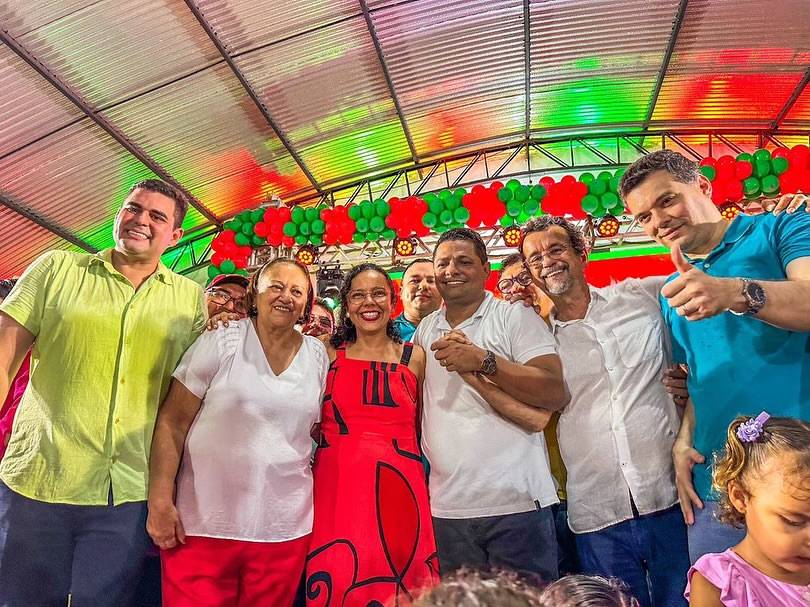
558	284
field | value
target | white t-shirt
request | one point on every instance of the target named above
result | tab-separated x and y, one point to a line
245	473
480	463
616	434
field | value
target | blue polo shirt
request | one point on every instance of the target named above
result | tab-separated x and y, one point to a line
405	326
739	365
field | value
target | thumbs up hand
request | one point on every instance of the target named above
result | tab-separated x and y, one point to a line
696	295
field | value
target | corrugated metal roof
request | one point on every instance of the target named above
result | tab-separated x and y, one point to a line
29	107
22	241
457	68
800	112
22	16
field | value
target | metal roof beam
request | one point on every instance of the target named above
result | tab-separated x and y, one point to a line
387	74
282	137
103	123
527	61
673	39
794	96
33	216
596	152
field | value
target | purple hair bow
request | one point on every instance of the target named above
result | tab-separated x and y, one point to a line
750	431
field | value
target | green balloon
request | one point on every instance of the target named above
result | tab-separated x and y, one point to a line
301	239
586	178
522	193
522	218
504	194
445	194
389	234
298	215
599	211
613	184
513	208
372	236
212	271
461	215
257	215
227	266
446	217
242	272
318	226
355	213
619	172
429	220
440	229
770	184
762	167
598	187
359	237
247	228
257	241
382	208
429	197
367	208
507	220
376	224
436	206
604	176
744	157
762	155
513	184
289	229
708	172
234	225
538	192
609	200
531	206
316	239
459	193
311	214
305	228
242	239
245	217
362	225
751	187
589	203
453	202
779	165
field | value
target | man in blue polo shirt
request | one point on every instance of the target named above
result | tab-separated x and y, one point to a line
748	283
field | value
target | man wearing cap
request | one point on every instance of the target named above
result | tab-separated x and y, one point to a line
107	332
226	293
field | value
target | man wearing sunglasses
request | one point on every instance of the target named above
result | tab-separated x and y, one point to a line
226	293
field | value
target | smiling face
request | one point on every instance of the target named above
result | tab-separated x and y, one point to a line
320	322
554	263
672	212
369	302
144	227
281	295
777	516
419	294
460	273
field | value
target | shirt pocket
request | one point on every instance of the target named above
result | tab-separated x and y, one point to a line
639	341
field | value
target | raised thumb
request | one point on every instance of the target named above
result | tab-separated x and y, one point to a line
679	260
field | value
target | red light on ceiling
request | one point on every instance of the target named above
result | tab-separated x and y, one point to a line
608	226
307	255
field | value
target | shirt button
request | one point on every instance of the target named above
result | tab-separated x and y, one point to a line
117	420
123	381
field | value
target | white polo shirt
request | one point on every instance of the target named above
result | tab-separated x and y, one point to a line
480	463
616	434
245	473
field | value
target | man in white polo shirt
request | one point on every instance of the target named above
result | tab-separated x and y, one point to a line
616	434
490	386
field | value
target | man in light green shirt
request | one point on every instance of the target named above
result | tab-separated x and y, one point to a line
106	332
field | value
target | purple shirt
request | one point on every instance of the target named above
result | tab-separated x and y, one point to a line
741	585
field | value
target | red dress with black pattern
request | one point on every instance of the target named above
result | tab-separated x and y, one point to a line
372	539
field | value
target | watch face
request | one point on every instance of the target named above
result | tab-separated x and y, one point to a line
755	292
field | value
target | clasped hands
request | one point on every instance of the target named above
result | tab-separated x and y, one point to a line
455	352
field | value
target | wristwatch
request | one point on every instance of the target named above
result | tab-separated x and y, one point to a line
489	365
754	297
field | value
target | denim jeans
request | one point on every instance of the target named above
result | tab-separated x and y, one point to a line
567	558
47	551
707	534
524	542
649	553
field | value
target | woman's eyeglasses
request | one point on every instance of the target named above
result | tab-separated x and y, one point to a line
221	298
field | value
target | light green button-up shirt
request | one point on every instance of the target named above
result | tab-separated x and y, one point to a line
100	366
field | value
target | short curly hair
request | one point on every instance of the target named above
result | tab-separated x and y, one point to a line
470	588
679	166
544	222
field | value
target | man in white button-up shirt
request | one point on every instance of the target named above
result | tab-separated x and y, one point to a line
490	383
617	432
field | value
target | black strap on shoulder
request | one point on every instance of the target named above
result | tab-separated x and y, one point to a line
407	350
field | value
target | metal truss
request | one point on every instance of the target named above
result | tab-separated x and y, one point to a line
604	151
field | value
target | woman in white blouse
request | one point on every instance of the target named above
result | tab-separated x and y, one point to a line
234	433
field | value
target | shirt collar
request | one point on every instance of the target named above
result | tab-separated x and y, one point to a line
479	312
596	294
104	258
739	227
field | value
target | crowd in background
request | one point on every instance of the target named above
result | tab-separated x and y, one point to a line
644	443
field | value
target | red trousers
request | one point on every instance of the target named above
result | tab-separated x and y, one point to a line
211	572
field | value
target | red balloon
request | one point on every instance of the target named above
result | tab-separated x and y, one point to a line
547	181
719	192
404	232
743	169
284	215
330	238
788	182
327	214
735	191
288	241
244	251
270	216
227	236
708	162
261	229
229	249
276	229
495	186
274	240
341	212
477	189
240	263
780	152
217	259
799	157
725	166
216	244
581	189
568	179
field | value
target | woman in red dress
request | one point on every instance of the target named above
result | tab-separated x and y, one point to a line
372	538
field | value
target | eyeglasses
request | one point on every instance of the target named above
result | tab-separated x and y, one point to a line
322	321
524	279
555	252
377	295
223	297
